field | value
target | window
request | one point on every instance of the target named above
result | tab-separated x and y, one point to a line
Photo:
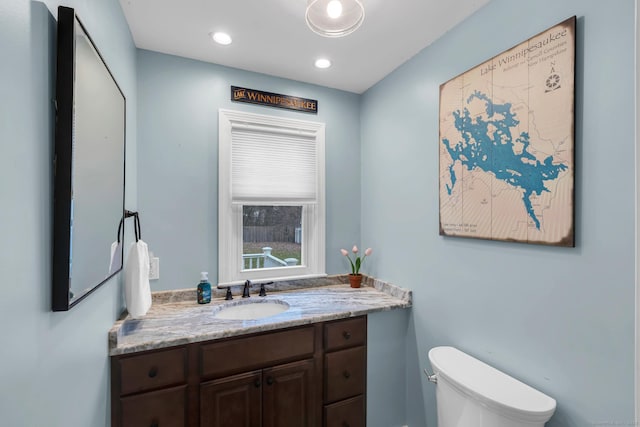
271	215
271	236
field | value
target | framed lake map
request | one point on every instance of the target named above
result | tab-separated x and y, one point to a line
506	144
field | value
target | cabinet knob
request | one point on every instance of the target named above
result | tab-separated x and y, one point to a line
345	424
257	383
346	374
269	381
346	335
154	423
153	372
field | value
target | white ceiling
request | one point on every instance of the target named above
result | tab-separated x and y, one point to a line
271	36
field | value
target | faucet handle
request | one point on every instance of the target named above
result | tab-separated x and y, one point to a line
263	292
247	287
228	296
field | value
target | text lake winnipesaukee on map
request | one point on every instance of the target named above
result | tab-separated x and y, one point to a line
506	144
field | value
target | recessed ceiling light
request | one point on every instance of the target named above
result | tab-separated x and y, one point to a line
221	38
323	63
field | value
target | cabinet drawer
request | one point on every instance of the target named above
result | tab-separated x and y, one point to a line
162	408
258	351
152	370
344	373
346	413
345	333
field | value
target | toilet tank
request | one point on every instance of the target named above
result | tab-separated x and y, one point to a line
470	393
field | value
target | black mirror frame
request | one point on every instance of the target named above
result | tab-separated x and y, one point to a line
63	161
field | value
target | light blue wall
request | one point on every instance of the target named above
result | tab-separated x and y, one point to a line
178	108
561	320
386	368
53	366
178	185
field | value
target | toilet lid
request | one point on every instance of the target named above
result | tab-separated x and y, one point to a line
489	385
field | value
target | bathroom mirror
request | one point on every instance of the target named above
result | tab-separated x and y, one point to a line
89	167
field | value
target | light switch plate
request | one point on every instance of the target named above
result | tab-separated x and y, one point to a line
154	268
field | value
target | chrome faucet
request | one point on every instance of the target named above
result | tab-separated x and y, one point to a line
247	287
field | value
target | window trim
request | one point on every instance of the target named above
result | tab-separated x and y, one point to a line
230	214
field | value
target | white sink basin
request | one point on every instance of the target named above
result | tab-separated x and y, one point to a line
251	310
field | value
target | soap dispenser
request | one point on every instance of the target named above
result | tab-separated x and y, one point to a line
204	289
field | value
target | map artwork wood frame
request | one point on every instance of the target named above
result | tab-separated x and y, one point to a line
506	144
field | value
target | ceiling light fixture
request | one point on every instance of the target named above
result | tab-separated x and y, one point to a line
221	38
334	9
334	18
323	63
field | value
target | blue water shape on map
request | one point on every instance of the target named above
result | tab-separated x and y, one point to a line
494	151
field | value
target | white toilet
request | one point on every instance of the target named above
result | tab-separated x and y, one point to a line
470	393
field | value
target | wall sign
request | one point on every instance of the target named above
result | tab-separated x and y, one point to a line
506	144
252	96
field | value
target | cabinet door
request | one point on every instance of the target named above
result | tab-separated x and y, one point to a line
288	395
232	401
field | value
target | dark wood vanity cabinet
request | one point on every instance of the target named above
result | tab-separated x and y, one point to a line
282	396
150	389
308	376
267	379
345	372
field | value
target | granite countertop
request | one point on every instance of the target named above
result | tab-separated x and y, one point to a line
175	318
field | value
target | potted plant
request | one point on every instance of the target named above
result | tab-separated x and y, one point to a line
355	278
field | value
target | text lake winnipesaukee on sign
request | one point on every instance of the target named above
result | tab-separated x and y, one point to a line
252	96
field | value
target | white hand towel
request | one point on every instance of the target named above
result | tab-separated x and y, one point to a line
116	257
137	291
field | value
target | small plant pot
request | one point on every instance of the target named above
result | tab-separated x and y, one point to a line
355	280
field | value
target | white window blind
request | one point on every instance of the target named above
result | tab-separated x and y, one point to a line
270	161
273	164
